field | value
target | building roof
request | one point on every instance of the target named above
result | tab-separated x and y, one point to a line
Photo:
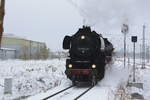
9	35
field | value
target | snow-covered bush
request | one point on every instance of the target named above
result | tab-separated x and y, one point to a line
31	77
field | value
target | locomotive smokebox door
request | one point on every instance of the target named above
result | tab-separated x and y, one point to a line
134	38
67	42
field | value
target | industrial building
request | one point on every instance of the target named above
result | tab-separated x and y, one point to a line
21	48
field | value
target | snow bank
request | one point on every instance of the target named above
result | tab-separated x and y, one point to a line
31	77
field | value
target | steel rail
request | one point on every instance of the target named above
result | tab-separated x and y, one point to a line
58	92
83	93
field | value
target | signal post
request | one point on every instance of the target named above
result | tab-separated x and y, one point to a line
125	31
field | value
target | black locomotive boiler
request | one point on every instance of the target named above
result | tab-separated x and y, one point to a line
88	54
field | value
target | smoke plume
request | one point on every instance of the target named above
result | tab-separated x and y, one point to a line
104	15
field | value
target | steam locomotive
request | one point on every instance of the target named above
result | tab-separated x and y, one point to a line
89	52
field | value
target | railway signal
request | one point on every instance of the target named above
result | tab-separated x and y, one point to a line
125	31
134	40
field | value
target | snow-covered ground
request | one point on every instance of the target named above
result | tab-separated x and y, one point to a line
39	79
31	77
146	80
143	76
116	76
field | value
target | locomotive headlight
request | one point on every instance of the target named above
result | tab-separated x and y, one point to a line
82	37
93	66
70	65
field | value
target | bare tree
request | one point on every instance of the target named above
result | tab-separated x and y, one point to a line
2	13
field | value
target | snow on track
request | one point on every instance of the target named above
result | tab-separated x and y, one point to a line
116	76
70	95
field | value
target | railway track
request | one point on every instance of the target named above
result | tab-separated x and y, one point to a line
83	93
57	93
61	91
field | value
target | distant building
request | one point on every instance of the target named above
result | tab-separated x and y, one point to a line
24	49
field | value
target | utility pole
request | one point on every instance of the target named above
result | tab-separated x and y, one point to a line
39	51
128	55
125	50
140	53
143	48
30	49
2	13
147	54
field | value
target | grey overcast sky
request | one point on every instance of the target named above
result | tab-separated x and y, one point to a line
50	20
42	20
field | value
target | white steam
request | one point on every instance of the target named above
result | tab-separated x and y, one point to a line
104	15
107	17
